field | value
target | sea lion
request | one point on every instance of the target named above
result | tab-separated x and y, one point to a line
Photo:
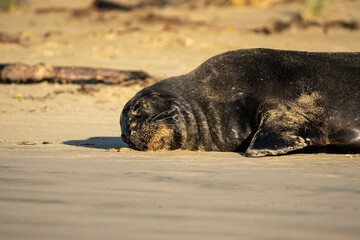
257	101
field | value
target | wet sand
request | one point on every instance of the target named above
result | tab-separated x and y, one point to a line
62	177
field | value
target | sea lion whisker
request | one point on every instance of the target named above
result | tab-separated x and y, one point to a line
154	116
164	118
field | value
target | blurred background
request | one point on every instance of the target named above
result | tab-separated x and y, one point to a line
62	176
168	37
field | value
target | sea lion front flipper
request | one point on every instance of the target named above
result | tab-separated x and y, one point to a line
285	126
268	142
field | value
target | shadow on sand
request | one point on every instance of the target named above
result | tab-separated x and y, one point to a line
116	142
99	142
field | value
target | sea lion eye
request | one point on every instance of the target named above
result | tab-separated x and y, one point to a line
155	95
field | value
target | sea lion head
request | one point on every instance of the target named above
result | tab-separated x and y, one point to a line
151	121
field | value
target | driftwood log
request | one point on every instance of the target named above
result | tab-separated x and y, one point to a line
23	73
110	5
9	38
297	21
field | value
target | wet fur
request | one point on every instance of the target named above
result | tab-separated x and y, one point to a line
260	101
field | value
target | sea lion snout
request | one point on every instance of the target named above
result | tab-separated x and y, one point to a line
151	125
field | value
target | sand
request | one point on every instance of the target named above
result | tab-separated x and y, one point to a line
63	177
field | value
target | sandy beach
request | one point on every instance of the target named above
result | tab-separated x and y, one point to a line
63	177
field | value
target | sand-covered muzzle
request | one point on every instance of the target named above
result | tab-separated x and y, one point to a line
152	123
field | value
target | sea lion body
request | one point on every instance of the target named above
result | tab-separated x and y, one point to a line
260	101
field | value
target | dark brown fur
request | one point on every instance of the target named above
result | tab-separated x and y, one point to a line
260	101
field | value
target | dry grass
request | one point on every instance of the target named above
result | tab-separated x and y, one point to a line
312	9
9	5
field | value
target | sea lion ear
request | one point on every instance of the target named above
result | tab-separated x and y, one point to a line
285	127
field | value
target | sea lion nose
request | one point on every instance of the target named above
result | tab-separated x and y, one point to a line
135	142
125	137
